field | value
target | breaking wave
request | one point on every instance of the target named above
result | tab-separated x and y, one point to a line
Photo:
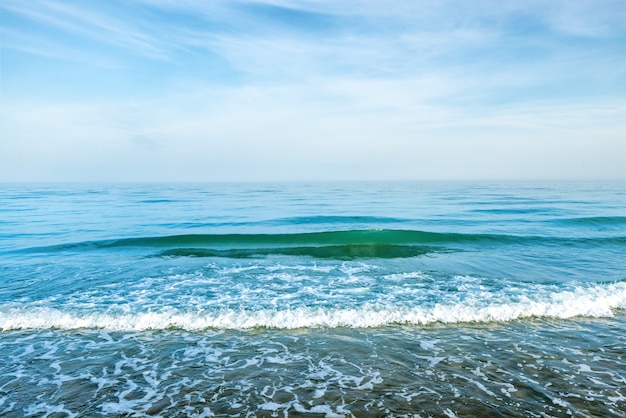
600	300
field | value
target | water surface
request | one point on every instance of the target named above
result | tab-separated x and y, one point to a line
313	299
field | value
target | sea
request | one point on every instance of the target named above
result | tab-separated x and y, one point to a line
364	299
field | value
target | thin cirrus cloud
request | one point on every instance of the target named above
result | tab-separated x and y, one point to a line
156	90
67	23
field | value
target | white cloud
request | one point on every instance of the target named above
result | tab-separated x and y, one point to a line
414	90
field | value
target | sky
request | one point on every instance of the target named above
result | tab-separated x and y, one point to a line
279	90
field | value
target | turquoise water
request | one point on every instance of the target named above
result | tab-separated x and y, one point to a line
313	299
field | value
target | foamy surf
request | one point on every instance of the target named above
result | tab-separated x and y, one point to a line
600	300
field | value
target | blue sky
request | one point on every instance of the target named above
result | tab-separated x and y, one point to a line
191	90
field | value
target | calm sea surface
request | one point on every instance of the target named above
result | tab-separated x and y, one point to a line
313	300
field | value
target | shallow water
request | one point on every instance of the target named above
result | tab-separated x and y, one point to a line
381	299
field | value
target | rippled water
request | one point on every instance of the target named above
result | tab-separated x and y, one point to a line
333	299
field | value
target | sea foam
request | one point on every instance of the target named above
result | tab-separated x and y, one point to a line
600	300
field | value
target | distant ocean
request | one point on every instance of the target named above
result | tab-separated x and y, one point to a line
313	300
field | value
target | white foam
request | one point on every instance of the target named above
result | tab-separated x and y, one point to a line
590	301
318	409
428	345
449	413
47	410
273	406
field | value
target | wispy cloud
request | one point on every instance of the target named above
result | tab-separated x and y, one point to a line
90	23
353	89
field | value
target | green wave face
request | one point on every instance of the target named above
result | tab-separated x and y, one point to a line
349	244
348	237
344	245
339	252
340	245
353	237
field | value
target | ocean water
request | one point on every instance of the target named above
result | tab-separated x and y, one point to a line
313	300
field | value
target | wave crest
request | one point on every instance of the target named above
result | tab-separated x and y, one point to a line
594	301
